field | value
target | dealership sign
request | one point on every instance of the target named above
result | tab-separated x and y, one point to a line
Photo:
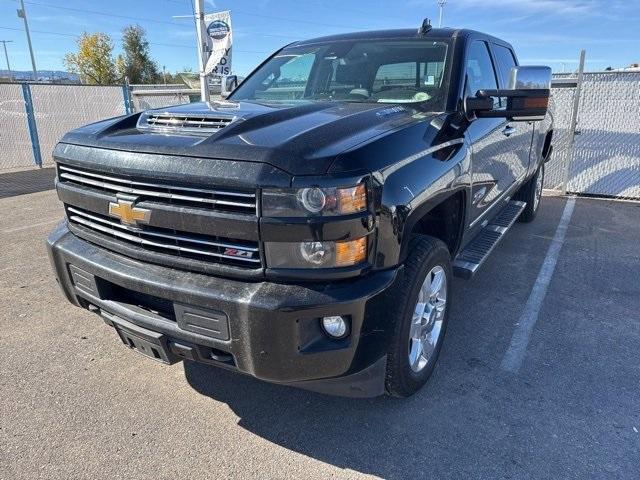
219	42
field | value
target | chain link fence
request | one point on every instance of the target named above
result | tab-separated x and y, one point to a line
605	157
145	97
16	151
60	108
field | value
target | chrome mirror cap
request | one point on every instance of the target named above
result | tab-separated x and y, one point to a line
530	78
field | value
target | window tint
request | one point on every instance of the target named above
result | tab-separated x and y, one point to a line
427	74
288	82
396	74
479	69
505	61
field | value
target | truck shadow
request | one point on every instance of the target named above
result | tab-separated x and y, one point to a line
468	421
438	430
374	436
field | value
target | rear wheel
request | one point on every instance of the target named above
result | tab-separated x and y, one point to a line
531	193
421	311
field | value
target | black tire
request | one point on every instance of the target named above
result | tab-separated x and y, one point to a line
528	193
425	253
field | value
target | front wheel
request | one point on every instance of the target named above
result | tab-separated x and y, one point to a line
421	310
531	194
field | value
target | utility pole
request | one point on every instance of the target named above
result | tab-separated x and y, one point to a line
203	55
6	56
22	13
441	7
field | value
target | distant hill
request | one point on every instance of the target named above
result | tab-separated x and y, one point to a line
43	75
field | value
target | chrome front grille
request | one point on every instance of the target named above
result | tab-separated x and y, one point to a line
223	200
182	123
193	246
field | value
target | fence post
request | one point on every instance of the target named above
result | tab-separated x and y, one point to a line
574	123
31	123
126	93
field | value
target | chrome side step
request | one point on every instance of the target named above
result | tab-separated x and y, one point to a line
469	260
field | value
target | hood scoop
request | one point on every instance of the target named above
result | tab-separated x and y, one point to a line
182	124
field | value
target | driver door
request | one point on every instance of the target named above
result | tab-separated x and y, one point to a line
498	146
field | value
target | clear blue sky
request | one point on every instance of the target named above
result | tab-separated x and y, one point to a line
548	32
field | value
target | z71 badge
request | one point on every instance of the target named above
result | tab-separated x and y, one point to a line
234	252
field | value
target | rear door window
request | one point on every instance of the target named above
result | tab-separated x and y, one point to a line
480	72
506	61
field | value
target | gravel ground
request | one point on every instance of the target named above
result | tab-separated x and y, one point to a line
75	403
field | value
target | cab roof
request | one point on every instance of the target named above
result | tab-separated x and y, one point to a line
400	33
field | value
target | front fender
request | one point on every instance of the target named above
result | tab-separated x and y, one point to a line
410	190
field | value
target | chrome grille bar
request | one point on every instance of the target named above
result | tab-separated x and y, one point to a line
182	123
115	229
161	235
245	201
159	185
187	122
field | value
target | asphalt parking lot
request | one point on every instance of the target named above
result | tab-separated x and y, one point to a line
75	403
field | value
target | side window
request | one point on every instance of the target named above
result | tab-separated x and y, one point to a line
289	82
506	61
479	69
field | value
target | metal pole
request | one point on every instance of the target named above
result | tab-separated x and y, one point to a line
441	6
202	49
6	56
22	13
574	122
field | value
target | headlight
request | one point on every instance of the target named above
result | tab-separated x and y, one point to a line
314	201
315	254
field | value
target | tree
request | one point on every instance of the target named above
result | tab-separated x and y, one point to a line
93	61
135	63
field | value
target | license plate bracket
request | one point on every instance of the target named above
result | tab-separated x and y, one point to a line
146	342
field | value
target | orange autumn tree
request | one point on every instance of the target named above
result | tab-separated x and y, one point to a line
93	61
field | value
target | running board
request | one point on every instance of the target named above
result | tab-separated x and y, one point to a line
469	260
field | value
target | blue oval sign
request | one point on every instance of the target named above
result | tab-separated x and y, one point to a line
218	29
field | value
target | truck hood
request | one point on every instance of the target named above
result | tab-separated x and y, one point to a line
299	138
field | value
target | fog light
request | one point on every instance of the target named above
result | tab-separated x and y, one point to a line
335	326
315	253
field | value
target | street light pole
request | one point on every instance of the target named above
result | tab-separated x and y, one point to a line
22	13
202	49
6	56
441	6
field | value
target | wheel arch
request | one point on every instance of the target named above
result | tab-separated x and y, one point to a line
443	218
547	145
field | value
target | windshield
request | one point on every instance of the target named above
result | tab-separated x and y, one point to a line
373	71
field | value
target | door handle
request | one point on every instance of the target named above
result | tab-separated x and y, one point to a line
508	130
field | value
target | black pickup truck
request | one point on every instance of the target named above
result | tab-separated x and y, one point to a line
305	230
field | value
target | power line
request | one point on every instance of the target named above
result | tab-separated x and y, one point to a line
93	12
289	19
40	31
164	22
174	45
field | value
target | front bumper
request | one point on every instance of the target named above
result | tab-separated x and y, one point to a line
268	330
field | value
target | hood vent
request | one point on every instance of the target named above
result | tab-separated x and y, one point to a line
189	124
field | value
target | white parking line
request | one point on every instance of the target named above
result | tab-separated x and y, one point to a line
512	360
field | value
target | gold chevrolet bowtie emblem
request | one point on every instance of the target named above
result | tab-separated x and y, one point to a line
127	213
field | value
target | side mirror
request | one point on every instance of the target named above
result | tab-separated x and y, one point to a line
527	96
230	84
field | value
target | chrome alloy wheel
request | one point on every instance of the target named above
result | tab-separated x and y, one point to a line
538	192
426	324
